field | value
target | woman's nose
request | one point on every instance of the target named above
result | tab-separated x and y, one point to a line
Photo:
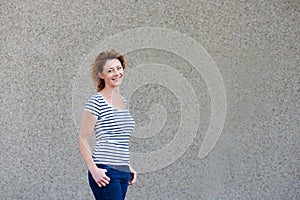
116	72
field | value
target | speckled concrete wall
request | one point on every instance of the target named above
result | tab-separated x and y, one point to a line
252	46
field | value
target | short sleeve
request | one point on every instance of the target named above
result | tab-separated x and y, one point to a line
93	106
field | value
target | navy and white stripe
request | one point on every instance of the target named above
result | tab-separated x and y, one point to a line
112	130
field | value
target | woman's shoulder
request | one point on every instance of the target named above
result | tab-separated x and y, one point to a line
96	97
124	99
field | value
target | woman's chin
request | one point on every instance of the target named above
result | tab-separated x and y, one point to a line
116	84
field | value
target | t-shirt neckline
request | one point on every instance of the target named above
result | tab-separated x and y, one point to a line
114	108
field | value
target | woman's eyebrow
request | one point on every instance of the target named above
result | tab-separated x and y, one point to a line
115	66
112	67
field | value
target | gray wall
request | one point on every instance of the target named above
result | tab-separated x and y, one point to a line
46	49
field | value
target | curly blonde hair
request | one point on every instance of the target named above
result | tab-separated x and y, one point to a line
99	63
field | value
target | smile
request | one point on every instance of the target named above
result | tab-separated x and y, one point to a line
116	79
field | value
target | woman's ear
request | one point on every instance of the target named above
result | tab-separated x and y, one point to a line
100	75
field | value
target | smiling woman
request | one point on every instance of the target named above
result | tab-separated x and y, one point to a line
99	65
106	113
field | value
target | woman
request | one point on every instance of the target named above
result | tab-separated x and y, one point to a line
106	113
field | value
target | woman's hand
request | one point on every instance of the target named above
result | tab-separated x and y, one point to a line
133	175
100	177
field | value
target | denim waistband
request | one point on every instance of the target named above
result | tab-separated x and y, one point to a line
123	168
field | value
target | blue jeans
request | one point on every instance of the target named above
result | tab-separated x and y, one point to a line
117	187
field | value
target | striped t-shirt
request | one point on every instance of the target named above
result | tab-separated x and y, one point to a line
112	130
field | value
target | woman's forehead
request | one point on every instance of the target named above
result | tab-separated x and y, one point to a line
111	63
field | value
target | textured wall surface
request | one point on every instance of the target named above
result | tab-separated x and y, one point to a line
45	46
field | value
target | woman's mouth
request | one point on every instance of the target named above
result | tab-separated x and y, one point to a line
117	79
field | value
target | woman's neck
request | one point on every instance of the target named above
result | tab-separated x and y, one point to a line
110	92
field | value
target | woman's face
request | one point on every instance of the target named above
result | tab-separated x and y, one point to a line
113	73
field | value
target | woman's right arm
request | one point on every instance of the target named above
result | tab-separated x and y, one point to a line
87	128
